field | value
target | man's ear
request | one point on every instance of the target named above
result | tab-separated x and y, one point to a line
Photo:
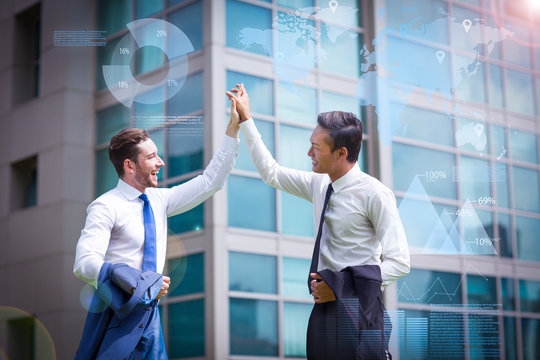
343	153
129	166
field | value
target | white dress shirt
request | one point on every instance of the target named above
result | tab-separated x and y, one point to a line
114	229
361	224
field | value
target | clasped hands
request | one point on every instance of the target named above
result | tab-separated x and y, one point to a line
320	290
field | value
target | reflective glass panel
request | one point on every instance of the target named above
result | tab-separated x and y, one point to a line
526	189
297	104
294	277
249	28
145	8
510	343
430	287
110	121
252	273
186	329
505	235
529	295
519	92
508	293
295	321
425	125
469	79
523	146
475	188
296	215
187	275
341	51
243	160
253	327
481	290
467	38
185	142
528	246
191	220
257	201
516	52
496	95
472	136
294	144
189	19
433	168
530	330
190	98
106	177
113	15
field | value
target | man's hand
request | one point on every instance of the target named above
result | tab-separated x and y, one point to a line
234	123
164	287
242	101
320	291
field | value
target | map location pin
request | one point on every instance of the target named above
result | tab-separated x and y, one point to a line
467	24
440	56
479	128
333	5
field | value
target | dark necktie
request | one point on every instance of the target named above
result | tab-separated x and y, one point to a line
316	248
149	259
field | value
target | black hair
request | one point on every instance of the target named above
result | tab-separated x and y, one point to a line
345	129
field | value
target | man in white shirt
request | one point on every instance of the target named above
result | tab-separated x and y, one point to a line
116	221
359	229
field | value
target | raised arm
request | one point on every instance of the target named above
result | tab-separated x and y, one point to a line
295	182
186	196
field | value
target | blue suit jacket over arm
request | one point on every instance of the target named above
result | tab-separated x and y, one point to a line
116	317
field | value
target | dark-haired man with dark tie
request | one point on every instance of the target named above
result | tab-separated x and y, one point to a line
360	246
122	248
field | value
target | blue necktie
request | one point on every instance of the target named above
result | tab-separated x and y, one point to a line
317	247
149	259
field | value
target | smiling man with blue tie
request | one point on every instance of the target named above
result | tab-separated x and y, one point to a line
122	248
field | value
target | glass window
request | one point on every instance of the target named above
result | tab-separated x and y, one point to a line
294	277
296	46
113	15
529	295
187	275
186	329
243	160
496	95
294	144
106	177
296	215
502	197
505	235
425	125
478	232
171	3
523	146
470	38
295	321
469	79
481	290
104	57
530	331
410	161
261	91
424	19
185	142
430	287
519	92
472	136
493	34
252	273
257	201
190	98
296	4
348	13
528	247
510	343
477	187
253	327
249	28
148	116
146	8
342	51
516	52
191	220
484	336
297	104
189	19
332	101
498	141
526	189
433	73
508	294
110	121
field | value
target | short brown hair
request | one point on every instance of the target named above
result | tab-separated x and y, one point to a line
345	130
124	146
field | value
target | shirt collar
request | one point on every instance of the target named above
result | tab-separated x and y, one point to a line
127	190
350	178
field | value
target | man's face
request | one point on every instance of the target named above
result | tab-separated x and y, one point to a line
147	165
323	159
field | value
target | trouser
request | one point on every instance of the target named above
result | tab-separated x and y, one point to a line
335	332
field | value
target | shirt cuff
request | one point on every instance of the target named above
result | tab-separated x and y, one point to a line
249	129
229	144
